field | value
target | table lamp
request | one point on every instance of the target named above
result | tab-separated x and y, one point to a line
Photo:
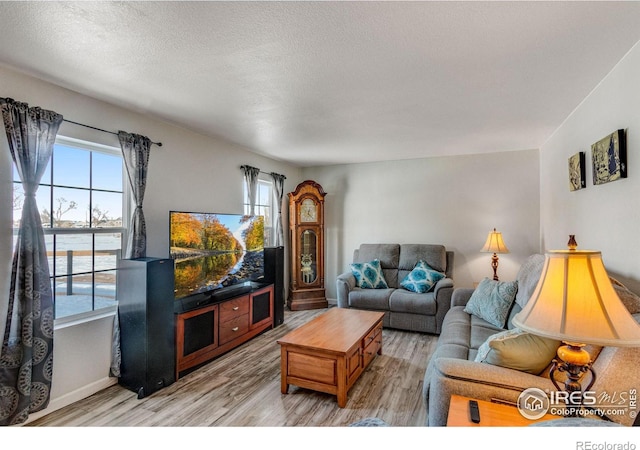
574	302
494	245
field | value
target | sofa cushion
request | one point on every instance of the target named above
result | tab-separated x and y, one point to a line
515	309
464	332
519	350
456	329
528	277
387	254
377	299
492	301
369	275
434	255
411	302
422	278
631	301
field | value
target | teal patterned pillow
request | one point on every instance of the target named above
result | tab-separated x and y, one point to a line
422	278
492	300
369	275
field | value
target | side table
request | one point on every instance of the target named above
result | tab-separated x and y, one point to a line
491	414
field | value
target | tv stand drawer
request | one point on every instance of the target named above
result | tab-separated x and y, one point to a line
233	328
231	309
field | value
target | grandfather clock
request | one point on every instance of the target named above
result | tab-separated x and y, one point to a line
306	232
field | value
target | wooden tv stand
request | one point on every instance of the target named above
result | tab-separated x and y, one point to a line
221	326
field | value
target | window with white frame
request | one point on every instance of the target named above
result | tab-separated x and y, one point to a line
263	207
80	199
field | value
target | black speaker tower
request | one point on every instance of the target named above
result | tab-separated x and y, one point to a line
274	273
147	336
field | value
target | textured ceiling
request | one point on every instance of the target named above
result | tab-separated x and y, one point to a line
332	82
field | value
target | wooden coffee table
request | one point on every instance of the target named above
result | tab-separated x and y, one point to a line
330	352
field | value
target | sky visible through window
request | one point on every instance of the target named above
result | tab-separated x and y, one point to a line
75	172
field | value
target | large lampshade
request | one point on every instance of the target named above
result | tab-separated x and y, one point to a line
575	302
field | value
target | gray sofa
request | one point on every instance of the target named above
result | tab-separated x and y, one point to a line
405	310
452	369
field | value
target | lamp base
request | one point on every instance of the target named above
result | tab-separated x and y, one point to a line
494	266
575	361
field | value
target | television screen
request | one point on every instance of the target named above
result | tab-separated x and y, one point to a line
213	251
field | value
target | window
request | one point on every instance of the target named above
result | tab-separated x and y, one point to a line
80	199
263	207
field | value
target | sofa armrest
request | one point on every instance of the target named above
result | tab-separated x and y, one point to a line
442	292
345	283
461	296
442	284
475	380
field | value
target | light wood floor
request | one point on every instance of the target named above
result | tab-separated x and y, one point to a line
242	388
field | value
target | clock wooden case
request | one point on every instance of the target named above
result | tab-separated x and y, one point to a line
306	233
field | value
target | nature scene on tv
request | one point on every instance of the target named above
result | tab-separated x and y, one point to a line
212	251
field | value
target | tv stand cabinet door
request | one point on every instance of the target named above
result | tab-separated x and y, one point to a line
196	337
261	307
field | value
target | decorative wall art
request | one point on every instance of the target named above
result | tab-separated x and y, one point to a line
609	156
577	178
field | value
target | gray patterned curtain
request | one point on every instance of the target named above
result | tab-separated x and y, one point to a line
251	178
135	153
26	356
278	183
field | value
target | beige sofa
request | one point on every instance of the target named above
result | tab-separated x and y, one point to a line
452	369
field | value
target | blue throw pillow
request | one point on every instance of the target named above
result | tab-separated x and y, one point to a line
492	301
369	275
422	278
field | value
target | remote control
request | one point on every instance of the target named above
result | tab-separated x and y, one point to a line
474	412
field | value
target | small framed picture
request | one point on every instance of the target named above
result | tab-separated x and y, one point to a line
609	157
577	178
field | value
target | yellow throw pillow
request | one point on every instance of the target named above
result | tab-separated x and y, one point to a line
519	350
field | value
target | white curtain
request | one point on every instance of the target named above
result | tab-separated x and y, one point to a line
278	184
251	178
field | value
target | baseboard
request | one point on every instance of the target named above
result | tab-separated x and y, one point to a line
332	301
73	397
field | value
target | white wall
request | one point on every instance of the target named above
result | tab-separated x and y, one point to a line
189	172
455	201
604	217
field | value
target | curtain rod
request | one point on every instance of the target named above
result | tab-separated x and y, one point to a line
266	173
159	144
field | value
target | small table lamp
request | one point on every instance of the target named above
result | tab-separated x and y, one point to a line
574	302
494	245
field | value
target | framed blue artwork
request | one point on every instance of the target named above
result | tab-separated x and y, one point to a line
609	158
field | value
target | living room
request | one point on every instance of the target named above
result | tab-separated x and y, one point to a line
453	198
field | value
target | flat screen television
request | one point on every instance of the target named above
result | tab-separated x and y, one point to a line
213	252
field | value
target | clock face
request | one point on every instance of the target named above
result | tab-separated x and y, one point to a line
308	211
